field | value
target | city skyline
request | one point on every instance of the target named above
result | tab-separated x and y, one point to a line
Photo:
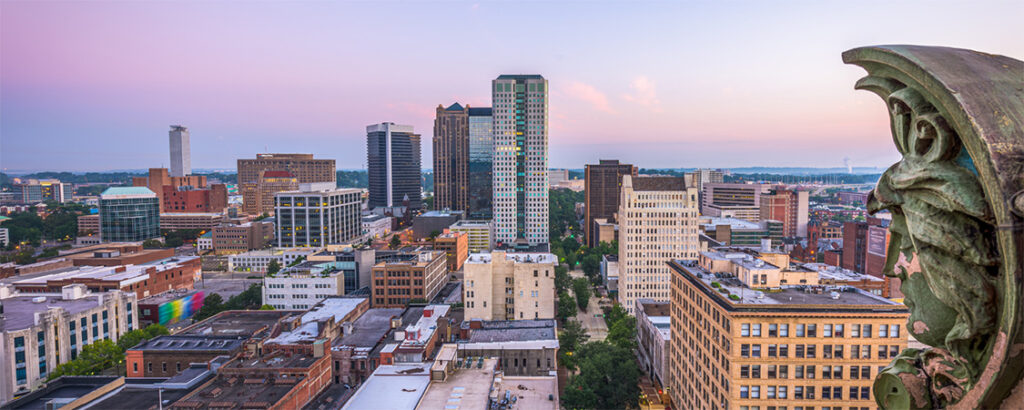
93	86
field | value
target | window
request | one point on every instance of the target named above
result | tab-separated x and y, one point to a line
883	330
826	372
799	330
755	392
854	330
784	330
773	330
744	392
770	392
798	392
783	350
745	330
772	371
839	331
827	331
865	392
773	351
810	372
894	331
755	330
865	331
755	371
755	350
799	351
799	373
745	372
865	372
811	351
812	330
744	350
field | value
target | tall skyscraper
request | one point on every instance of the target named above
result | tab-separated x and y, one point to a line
181	152
481	163
520	119
658	222
393	162
451	158
603	186
317	214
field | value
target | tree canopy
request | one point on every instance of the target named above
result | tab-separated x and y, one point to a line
608	378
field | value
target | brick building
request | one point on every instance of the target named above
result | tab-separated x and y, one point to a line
418	276
603	183
456	247
230	239
144	280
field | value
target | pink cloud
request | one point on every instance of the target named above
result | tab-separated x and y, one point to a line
644	93
590	95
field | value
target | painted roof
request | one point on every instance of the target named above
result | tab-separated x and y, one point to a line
127	190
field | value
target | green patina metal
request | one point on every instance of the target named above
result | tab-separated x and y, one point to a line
957	201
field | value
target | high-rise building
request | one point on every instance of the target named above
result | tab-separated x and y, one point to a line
317	215
181	151
481	234
788	206
481	163
520	118
451	158
778	338
129	214
33	191
658	222
603	187
393	165
509	286
260	199
741	201
303	167
703	176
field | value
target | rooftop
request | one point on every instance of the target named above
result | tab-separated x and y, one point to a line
480	111
533	392
735	223
511	333
66	388
467	223
829	272
520	77
167	297
126	274
180	342
119	192
245	323
392	387
518	257
275	360
439	214
417	334
336	308
464	388
19	311
369	329
799	298
646	183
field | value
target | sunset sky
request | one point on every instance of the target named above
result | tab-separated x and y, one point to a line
89	86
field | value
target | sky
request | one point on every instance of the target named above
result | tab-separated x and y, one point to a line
93	86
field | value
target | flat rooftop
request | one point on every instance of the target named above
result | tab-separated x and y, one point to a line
369	329
245	323
335	308
232	392
392	387
467	223
840	274
532	392
19	311
736	223
129	273
522	334
464	388
131	396
167	297
66	387
518	257
276	360
801	297
189	343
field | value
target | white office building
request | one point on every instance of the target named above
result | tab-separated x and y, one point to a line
257	261
317	215
181	152
520	118
304	285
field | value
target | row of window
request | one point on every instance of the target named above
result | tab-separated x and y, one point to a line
811	351
811	330
806	392
805	372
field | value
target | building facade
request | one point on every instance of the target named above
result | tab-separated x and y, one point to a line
653	334
34	191
451	158
480	234
658	222
734	346
302	167
376	226
603	190
129	214
481	163
733	200
42	330
228	239
788	206
257	261
317	215
509	286
213	198
520	123
258	198
455	246
173	221
419	277
523	347
181	151
393	165
304	285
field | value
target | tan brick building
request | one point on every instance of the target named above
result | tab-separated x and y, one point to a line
455	245
509	286
303	167
229	239
738	344
395	283
658	222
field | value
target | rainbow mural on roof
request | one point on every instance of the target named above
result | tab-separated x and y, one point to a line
184	308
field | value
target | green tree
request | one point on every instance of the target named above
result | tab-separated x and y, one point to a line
395	242
581	287
570	339
262	217
591	265
152	244
155	330
92	359
266	307
562	279
566	306
608	378
622	333
273	267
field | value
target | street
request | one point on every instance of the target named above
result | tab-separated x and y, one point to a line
592	319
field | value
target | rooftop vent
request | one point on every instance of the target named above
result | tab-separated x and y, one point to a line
39	299
835	295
